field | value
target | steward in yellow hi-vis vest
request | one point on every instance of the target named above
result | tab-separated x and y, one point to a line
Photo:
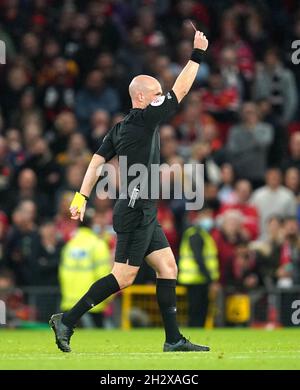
85	259
190	270
198	266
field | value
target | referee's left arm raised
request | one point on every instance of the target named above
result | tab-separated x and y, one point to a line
188	74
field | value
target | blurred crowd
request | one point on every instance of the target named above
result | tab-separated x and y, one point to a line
65	83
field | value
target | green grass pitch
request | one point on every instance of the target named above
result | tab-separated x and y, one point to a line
141	349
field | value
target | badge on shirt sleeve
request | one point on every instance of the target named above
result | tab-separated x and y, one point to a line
158	101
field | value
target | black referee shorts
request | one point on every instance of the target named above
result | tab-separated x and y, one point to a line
133	247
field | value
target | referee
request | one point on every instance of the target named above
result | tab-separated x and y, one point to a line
139	236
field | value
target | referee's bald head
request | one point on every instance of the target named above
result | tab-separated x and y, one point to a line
143	89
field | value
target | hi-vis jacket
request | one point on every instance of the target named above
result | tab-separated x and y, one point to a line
189	270
85	259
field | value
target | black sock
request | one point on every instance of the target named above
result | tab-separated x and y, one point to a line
99	291
166	298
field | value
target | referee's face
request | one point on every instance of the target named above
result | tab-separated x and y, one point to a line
153	93
143	90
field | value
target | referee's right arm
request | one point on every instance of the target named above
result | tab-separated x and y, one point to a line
188	74
104	153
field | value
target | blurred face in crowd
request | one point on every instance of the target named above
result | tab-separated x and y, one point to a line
264	108
167	133
216	81
48	234
274	227
291	228
161	64
243	191
100	121
60	69
229	58
169	148
96	9
77	143
210	191
28	211
209	132
271	59
232	222
227	174
185	8
255	26
273	178
295	145
66	123
106	63
33	118
167	79
143	90
100	222
79	22
136	37
93	38
200	151
17	78
74	175
169	142
32	133
31	45
205	219
146	20
40	147
229	28
27	180
250	114
292	180
94	81
27	100
6	283
51	49
192	114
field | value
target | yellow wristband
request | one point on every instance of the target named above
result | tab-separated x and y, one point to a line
78	201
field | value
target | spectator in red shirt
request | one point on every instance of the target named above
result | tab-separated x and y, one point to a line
229	37
243	274
220	100
249	212
229	234
289	270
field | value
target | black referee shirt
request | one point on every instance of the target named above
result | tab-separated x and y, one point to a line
133	136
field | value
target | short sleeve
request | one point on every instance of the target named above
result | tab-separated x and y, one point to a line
107	149
160	109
